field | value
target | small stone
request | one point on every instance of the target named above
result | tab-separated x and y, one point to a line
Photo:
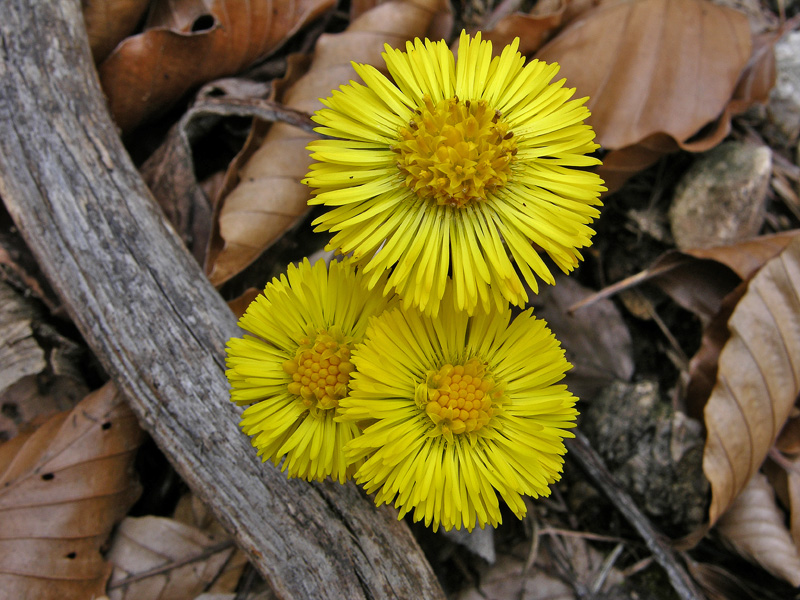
783	109
721	198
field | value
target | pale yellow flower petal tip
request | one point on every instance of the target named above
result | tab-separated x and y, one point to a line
460	167
295	368
461	411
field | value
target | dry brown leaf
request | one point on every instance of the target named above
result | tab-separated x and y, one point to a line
532	29
108	22
150	557
192	512
758	379
652	66
239	304
719	583
753	525
704	291
188	42
270	198
599	355
703	365
661	77
62	489
783	474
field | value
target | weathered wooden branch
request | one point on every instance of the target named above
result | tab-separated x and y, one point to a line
148	312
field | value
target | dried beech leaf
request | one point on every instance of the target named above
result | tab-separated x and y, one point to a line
784	477
270	198
753	525
162	548
719	583
703	365
531	29
703	290
599	355
239	304
62	489
657	66
188	42
789	439
192	512
108	22
758	379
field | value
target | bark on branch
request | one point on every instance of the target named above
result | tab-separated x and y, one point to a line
148	312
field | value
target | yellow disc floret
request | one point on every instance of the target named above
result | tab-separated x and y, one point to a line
455	152
320	370
459	399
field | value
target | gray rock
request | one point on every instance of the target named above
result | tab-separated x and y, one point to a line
656	453
721	198
783	109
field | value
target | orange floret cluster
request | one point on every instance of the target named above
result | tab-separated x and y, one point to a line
320	371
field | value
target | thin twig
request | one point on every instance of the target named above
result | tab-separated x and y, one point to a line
683	585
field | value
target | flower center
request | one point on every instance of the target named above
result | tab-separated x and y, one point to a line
459	399
321	370
455	152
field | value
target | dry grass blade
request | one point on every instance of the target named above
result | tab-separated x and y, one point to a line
62	489
754	526
758	379
187	42
658	66
270	198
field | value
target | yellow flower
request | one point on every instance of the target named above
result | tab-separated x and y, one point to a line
457	167
456	410
296	367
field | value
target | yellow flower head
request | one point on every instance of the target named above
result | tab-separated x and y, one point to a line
456	410
296	367
458	167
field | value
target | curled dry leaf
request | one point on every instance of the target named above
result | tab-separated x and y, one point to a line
657	66
62	489
753	525
758	379
705	287
108	22
187	42
656	73
162	559
269	197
